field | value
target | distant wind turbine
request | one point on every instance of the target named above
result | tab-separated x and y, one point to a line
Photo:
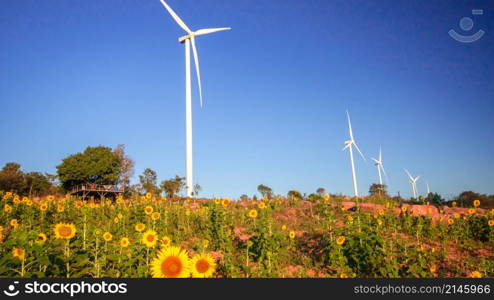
189	39
413	182
349	144
428	189
379	164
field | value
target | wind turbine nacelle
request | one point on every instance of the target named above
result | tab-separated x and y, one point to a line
182	39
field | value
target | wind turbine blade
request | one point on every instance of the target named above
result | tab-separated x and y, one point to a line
380	154
417	178
356	147
409	175
344	148
176	17
196	62
375	160
382	168
349	125
209	30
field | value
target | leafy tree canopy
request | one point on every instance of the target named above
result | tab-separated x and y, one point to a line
99	165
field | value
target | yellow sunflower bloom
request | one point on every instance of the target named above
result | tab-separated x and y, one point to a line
140	227
148	210
171	262
64	231
225	202
253	213
165	242
7	208
202	266
340	240
491	223
292	235
149	238
155	216
476	203
107	236
475	274
261	205
124	242
60	208
41	238
19	253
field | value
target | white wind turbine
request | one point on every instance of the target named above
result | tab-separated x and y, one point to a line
379	164
413	182
189	39
349	144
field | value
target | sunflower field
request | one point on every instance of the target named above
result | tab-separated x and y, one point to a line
148	236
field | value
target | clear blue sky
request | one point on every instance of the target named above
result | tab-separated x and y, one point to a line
78	73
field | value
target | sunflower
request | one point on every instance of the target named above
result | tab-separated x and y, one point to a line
14	223
283	227
60	208
120	216
476	203
202	266
78	204
381	212
148	210
491	223
253	213
291	234
149	238
116	220
225	202
50	198
217	200
187	212
64	231
475	274
140	227
17	200
343	275
43	206
107	236
379	222
41	238
149	195
340	240
171	262
404	209
120	200
261	205
1	228
471	211
205	243
19	253
326	197
124	242
155	216
453	204
165	241
450	221
7	208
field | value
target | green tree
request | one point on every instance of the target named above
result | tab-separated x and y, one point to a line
265	191
37	184
148	181
99	165
378	190
320	191
12	178
173	186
